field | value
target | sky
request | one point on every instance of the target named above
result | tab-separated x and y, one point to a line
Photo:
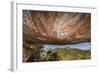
84	46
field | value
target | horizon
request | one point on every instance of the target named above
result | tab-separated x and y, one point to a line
83	46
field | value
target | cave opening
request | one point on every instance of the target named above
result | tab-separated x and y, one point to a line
68	32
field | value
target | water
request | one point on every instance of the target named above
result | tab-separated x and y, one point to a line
83	46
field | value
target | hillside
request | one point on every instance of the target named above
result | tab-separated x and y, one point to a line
60	54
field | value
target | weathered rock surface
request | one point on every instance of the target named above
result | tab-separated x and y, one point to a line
56	27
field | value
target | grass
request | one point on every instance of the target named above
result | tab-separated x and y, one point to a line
60	54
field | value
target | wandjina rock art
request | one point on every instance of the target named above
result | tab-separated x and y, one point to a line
45	27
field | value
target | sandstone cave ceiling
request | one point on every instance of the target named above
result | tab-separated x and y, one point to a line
56	27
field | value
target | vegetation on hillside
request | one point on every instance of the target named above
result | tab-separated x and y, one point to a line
59	54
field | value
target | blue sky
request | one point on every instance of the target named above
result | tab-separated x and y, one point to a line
85	45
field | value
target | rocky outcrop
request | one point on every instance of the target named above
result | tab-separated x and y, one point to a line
29	49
